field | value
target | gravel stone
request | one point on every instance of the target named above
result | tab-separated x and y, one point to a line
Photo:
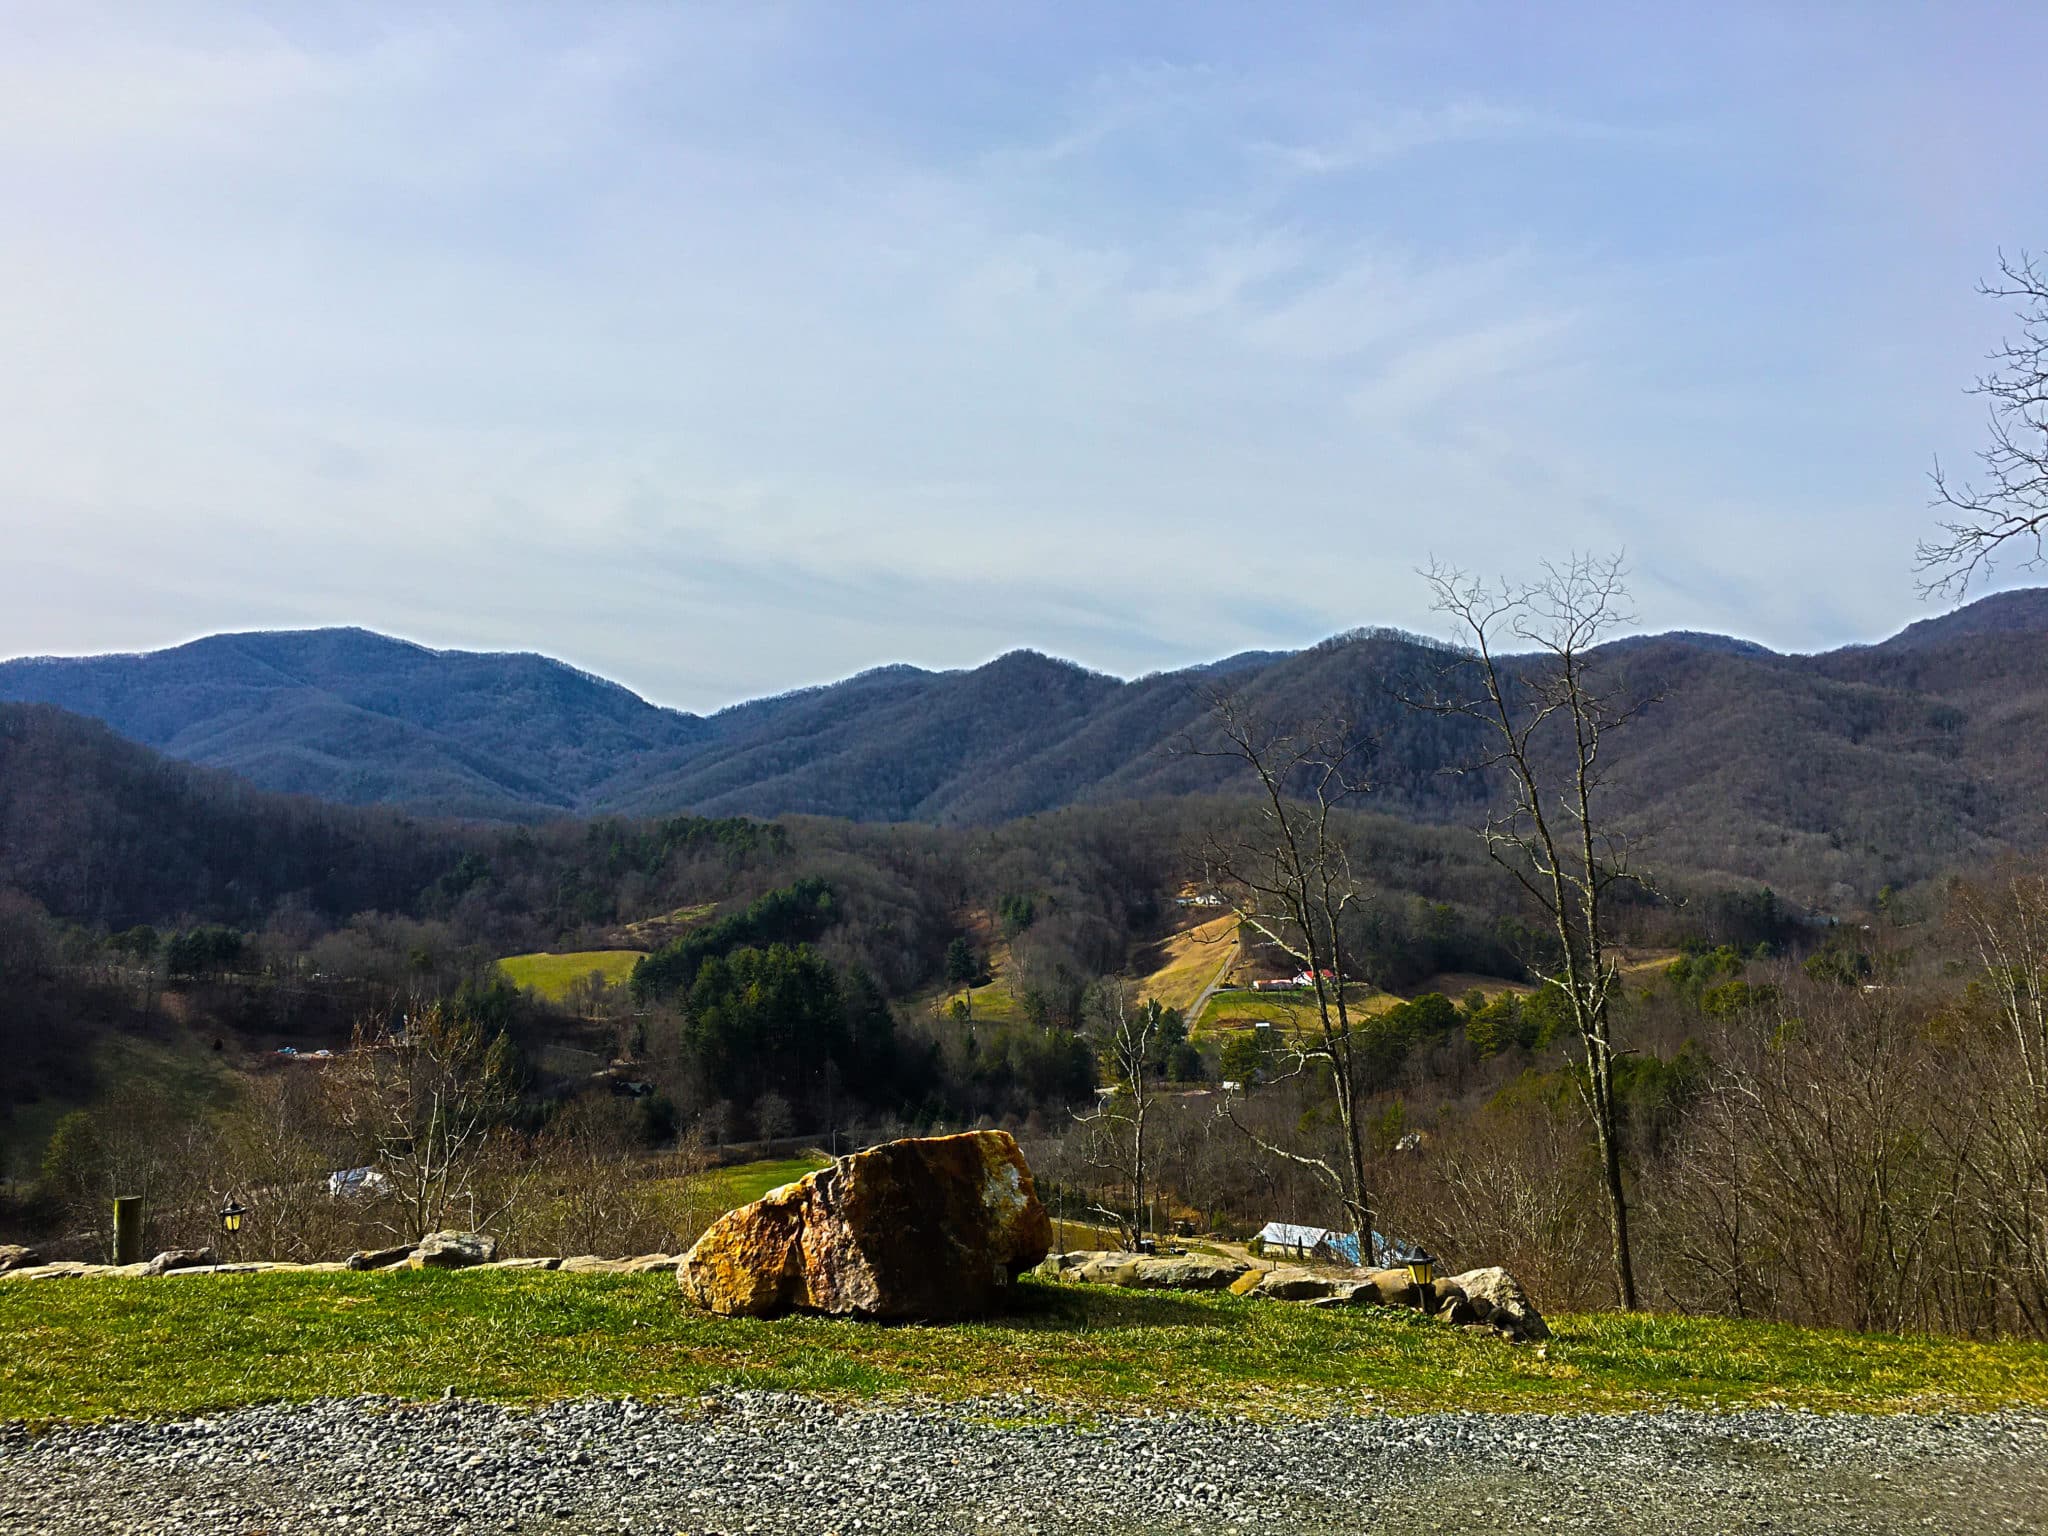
767	1464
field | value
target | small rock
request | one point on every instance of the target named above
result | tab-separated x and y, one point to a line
1294	1285
378	1258
453	1250
178	1258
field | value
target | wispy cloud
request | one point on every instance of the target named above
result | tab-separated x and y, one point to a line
723	348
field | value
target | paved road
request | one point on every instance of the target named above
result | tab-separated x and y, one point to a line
1194	1012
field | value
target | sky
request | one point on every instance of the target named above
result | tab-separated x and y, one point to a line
725	349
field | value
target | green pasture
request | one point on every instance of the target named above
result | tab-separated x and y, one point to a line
744	1183
553	975
93	1348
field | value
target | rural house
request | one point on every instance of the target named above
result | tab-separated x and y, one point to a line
1297	1242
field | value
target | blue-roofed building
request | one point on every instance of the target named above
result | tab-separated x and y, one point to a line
1299	1242
1287	1240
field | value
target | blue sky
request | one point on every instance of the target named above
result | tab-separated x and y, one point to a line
724	349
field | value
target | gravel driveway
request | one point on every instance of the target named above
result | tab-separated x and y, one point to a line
766	1463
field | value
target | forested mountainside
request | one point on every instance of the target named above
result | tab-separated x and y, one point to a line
106	832
350	716
1861	767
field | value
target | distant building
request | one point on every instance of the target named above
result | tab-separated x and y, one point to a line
1297	1242
357	1184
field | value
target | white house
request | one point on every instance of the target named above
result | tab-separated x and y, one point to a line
357	1184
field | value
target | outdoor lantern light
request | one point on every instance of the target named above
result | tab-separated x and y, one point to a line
1421	1267
231	1216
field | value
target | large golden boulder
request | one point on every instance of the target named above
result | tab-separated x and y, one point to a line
929	1227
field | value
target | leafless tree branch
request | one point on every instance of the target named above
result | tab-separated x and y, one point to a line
2005	512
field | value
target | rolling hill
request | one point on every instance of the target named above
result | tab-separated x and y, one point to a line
105	831
350	716
1877	762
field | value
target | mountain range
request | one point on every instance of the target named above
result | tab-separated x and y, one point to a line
1869	762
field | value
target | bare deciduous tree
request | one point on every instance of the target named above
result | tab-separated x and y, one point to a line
1816	1181
1551	837
2006	510
420	1105
1120	1142
585	1186
1290	879
1515	1187
279	1148
2007	924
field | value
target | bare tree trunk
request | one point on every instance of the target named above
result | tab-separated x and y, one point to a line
1563	616
1123	1123
1293	883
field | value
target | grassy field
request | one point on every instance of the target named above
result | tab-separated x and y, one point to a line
85	1349
1188	961
1238	1008
744	1183
180	1066
553	975
993	1002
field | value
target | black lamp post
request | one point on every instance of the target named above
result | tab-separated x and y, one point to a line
1421	1267
231	1216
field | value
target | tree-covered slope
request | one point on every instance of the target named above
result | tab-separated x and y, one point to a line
356	717
106	831
1878	762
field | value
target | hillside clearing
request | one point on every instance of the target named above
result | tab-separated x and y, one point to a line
650	933
1189	960
88	1349
179	1064
1240	1007
553	975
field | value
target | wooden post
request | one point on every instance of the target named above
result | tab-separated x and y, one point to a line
127	1229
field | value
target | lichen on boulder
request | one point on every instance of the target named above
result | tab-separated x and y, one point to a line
931	1228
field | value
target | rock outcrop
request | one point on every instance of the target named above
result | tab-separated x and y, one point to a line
596	1264
1384	1288
1292	1285
928	1227
16	1256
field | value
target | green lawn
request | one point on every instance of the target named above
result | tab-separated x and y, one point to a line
553	975
84	1349
1237	1008
744	1183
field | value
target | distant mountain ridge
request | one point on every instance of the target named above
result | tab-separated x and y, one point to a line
1934	741
361	718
